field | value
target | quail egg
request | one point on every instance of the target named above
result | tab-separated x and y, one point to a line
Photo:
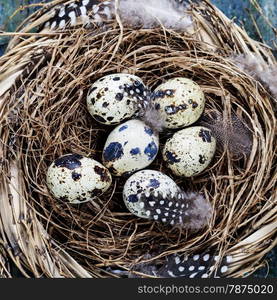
131	146
146	183
189	151
180	101
155	196
113	98
76	179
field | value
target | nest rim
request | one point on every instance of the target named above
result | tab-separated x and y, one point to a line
252	103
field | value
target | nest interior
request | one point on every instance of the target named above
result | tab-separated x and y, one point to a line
46	117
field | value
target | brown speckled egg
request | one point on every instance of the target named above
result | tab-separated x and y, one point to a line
76	179
113	98
180	101
189	151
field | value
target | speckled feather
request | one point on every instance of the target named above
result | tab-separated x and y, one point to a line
81	12
138	92
187	210
204	265
84	12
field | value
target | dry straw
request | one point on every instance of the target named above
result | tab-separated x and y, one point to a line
43	115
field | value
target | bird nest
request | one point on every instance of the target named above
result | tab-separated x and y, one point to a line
43	115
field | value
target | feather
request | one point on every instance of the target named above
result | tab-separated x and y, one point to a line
259	69
153	118
149	14
186	210
143	13
231	132
204	265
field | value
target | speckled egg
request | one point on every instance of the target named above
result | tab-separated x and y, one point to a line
113	98
76	179
131	146
180	101
148	182
189	151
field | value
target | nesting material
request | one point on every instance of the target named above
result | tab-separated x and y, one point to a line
50	238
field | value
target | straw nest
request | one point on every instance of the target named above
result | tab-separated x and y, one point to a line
43	115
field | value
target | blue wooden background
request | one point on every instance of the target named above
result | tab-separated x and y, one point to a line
238	10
